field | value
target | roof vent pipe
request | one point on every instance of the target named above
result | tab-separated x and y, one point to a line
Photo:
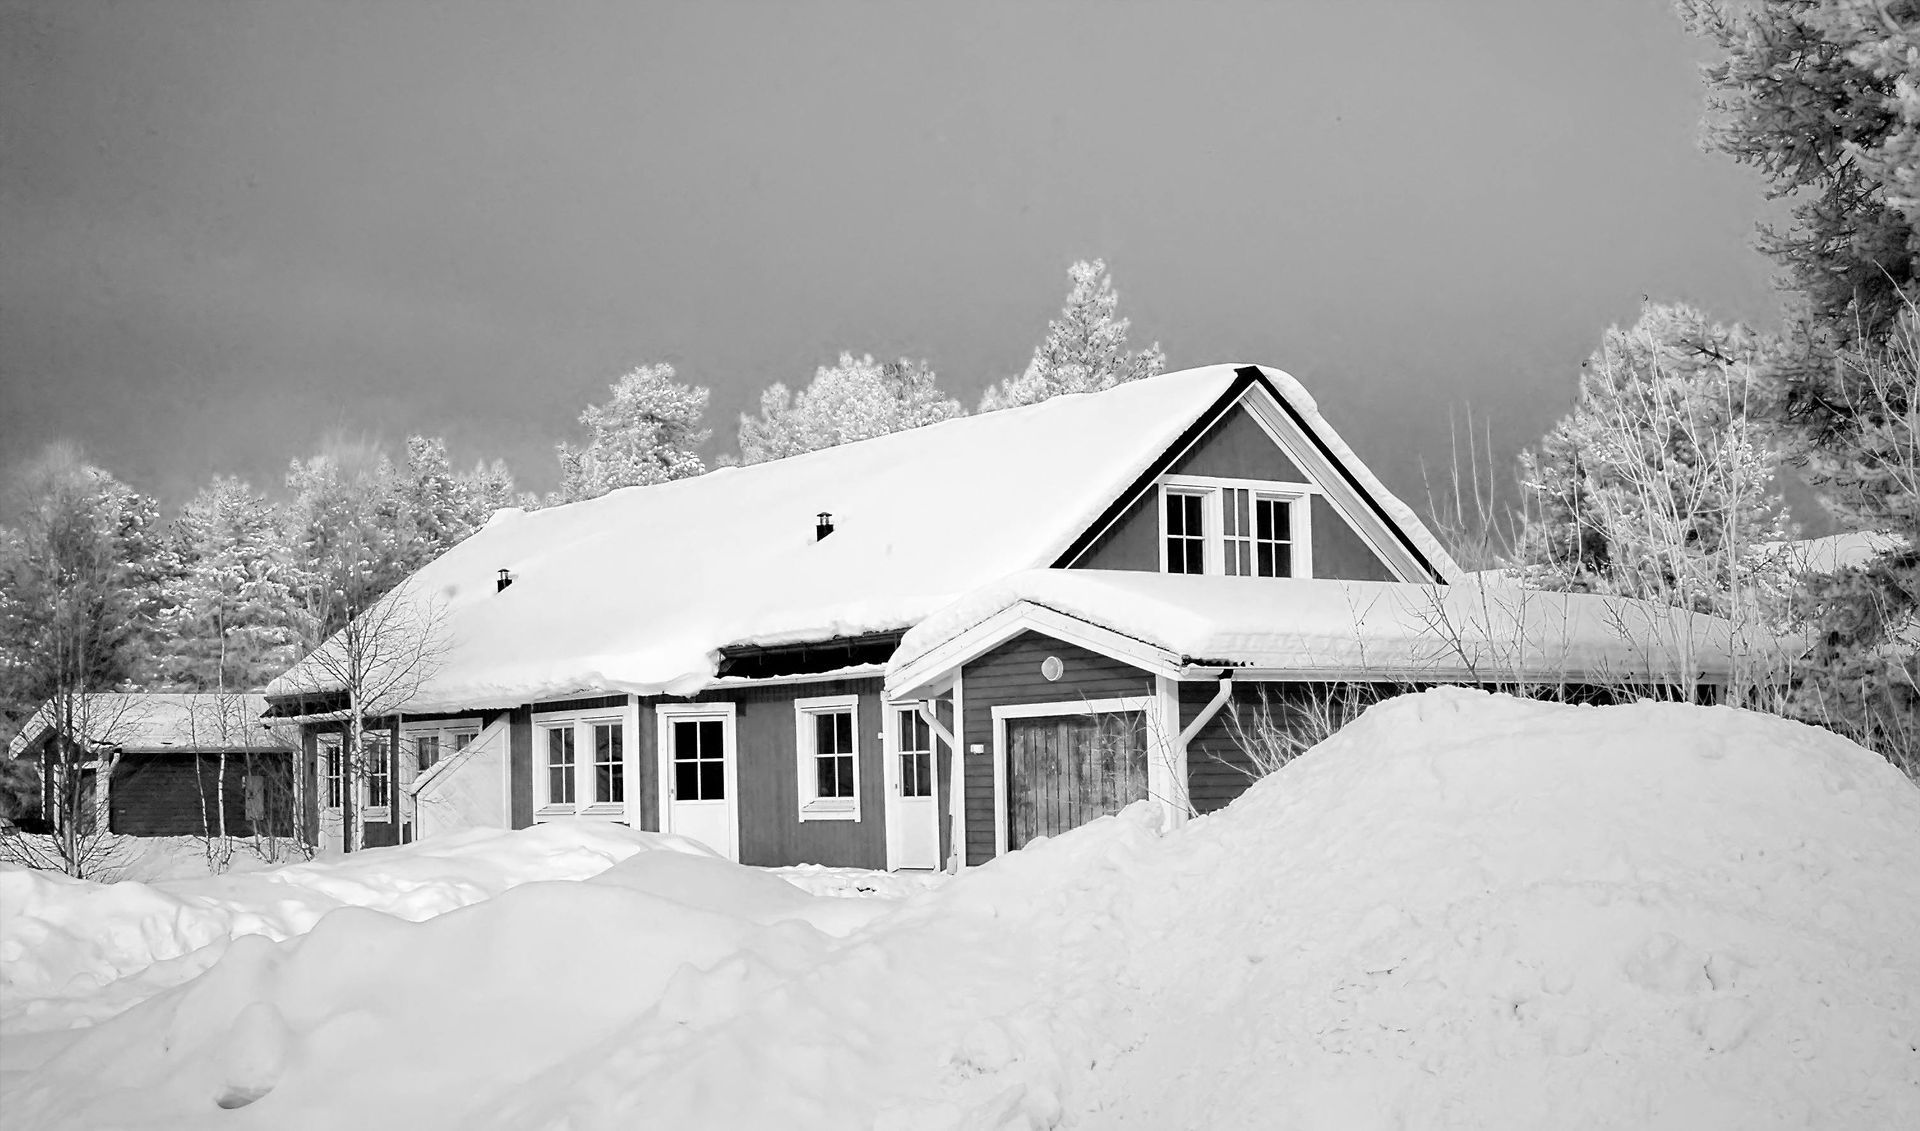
822	526
505	579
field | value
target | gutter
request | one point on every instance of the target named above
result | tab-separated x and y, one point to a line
1207	713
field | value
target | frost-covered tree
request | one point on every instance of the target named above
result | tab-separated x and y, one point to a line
647	432
435	507
1085	350
1657	485
81	577
1822	98
231	615
857	399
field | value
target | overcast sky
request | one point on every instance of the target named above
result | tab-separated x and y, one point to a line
231	230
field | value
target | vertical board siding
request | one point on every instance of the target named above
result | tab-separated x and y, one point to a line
520	767
1219	767
1010	675
647	749
1237	447
168	794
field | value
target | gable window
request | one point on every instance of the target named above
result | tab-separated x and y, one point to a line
1234	527
582	764
825	731
1186	532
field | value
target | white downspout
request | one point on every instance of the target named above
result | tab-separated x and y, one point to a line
957	861
1206	713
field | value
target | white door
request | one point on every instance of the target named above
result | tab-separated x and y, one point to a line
913	814
698	777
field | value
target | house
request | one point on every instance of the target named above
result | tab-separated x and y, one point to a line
781	661
178	762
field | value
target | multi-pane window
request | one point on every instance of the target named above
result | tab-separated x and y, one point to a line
373	754
833	754
560	748
1236	534
609	765
1186	532
426	750
916	755
699	760
1273	537
336	769
462	739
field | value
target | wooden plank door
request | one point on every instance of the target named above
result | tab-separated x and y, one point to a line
1065	770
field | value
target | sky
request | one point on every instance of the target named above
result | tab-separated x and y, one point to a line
232	231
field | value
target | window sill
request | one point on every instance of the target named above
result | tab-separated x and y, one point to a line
375	813
548	812
835	810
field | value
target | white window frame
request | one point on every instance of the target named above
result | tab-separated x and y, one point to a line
338	743
582	722
813	807
1147	705
727	714
368	810
1298	496
442	729
896	747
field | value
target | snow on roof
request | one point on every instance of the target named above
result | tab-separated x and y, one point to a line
1320	628
639	589
152	722
1834	551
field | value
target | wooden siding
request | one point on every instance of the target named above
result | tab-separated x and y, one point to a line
520	767
1218	766
1340	553
768	776
647	749
179	794
1009	675
1235	448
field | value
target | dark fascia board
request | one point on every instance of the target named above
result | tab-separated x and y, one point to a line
1244	378
807	657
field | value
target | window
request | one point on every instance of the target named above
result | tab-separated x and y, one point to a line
916	754
335	768
434	741
699	760
1235	527
1273	537
609	765
426	750
461	739
373	756
580	763
560	765
1186	533
829	760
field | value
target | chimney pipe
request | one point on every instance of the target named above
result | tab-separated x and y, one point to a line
505	579
822	526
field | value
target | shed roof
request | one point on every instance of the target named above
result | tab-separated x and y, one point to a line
157	722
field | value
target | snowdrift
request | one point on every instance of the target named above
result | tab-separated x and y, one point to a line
1463	911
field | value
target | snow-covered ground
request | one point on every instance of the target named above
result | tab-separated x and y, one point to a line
1462	911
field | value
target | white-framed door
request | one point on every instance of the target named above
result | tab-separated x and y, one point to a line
913	791
699	774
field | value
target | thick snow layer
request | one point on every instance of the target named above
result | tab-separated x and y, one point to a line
1463	911
1479	629
638	590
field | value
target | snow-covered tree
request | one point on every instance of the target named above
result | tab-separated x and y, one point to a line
436	507
81	577
857	399
647	432
1822	98
1657	485
230	611
1085	350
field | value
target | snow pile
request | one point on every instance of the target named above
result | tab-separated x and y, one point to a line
62	940
1463	911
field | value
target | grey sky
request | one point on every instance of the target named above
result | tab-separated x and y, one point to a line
231	229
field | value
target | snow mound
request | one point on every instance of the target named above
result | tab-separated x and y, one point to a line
62	940
1462	911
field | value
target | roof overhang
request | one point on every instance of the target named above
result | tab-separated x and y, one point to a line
933	673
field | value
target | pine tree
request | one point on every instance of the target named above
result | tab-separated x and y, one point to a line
648	432
231	613
1822	97
855	400
1657	485
1085	350
343	534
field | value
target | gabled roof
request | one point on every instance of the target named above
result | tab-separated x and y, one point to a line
157	723
639	590
1478	631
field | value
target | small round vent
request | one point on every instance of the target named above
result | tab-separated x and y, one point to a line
1052	668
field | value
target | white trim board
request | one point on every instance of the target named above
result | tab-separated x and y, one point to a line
664	716
1001	713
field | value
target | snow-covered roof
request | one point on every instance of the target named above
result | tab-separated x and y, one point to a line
1477	630
1834	551
154	722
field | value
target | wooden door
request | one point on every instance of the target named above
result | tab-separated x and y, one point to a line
1065	770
